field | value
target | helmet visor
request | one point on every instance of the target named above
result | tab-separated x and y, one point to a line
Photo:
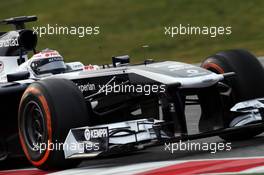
49	65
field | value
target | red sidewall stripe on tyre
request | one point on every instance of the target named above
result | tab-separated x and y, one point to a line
49	129
214	66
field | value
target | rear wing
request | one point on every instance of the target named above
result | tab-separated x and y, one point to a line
19	22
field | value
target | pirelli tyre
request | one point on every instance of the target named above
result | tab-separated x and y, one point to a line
48	110
246	84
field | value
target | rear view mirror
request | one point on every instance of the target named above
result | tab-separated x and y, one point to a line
120	60
18	76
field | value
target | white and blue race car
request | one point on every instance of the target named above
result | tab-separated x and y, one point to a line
60	113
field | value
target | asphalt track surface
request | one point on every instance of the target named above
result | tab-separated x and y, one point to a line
248	148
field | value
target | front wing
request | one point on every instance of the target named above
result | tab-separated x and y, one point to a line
133	135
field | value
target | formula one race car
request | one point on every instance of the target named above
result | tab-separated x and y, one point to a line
73	114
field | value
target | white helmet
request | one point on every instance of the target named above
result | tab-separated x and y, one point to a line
47	61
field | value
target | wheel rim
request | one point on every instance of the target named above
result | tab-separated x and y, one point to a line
35	131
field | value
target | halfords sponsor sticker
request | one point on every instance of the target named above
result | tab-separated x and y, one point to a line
95	133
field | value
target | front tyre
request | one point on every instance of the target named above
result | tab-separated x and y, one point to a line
246	85
48	110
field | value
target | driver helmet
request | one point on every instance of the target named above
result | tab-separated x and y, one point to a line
47	61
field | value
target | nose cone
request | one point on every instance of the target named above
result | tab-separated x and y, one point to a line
170	72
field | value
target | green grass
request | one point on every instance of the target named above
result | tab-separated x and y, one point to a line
126	25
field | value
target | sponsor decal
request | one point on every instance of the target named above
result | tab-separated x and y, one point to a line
47	54
55	59
179	69
77	66
91	67
9	42
86	87
90	134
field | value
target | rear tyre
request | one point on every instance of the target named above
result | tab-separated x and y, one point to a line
247	84
47	111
